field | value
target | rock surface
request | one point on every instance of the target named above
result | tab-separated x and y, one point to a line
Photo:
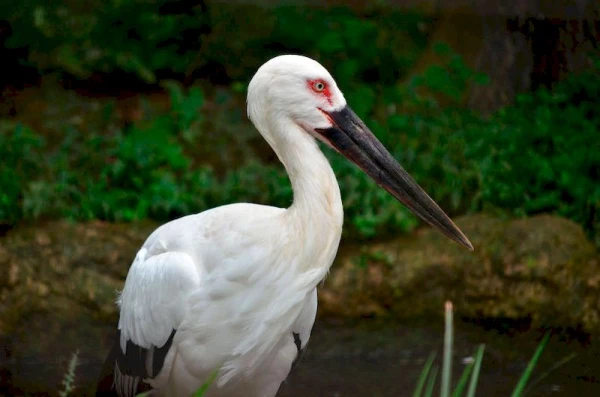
542	269
63	269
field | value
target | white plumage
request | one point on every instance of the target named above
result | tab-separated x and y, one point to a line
238	283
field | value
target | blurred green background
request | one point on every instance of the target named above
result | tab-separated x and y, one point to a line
131	109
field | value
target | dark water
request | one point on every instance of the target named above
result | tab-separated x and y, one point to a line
348	361
387	362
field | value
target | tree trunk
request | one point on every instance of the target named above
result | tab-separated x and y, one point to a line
521	45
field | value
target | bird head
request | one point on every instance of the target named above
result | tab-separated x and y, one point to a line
297	89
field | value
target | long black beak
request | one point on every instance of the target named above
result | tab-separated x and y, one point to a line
352	138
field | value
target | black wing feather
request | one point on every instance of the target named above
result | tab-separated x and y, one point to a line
298	343
122	373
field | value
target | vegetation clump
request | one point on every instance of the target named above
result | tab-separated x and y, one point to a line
539	155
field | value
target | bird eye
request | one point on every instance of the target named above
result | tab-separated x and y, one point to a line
319	86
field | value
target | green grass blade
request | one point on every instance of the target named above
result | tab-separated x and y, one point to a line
530	366
476	370
462	382
556	365
200	392
447	359
431	382
423	375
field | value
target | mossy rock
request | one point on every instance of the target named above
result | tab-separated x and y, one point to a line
58	285
542	269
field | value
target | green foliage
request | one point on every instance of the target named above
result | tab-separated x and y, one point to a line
543	153
151	40
431	382
424	375
140	37
466	375
520	387
202	390
146	172
20	153
140	172
68	381
475	373
539	155
427	377
451	78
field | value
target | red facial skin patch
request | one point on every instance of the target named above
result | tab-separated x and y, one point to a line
325	91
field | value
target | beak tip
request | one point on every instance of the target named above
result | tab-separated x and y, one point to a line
464	241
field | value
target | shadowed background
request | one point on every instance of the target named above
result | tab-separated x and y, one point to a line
116	116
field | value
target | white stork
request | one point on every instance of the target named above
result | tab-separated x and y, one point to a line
229	294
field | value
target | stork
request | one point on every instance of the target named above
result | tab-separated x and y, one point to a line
228	296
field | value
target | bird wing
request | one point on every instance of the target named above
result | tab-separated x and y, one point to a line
154	299
153	304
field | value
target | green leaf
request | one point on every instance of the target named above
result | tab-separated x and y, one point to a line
481	78
476	369
423	376
431	382
200	392
442	48
545	374
517	392
462	382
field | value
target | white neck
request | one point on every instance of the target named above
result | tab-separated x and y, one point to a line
316	214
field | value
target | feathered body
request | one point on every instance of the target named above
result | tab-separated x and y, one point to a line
238	281
230	293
